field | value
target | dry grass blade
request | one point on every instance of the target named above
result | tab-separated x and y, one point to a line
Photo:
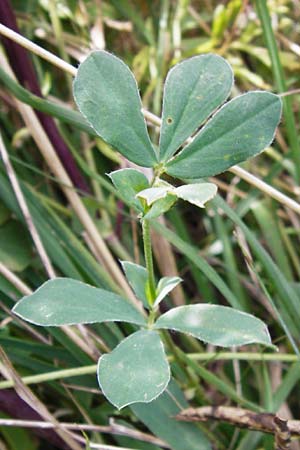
25	211
14	280
266	188
7	32
113	428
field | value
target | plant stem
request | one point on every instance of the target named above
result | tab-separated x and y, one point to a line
91	369
149	260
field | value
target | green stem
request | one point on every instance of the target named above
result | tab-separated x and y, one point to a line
91	369
151	318
149	260
55	375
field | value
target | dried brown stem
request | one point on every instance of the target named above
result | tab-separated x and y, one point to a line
244	418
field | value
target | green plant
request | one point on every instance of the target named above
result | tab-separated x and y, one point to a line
106	93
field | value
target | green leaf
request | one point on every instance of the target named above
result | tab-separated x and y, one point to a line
137	370
161	206
164	287
197	194
239	130
106	93
64	301
137	277
15	248
129	182
194	88
153	194
217	325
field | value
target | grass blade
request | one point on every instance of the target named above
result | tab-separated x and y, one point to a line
280	80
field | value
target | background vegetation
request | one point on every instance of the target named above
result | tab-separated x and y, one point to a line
242	251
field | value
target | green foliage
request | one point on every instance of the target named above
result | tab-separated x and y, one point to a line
243	251
203	246
129	182
136	371
106	93
64	301
137	277
193	89
215	324
140	358
238	131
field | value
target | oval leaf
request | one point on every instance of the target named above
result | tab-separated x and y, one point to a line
217	325
241	129
193	89
129	182
106	93
197	194
64	301
137	370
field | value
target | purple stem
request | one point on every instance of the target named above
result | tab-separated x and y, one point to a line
12	405
25	73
